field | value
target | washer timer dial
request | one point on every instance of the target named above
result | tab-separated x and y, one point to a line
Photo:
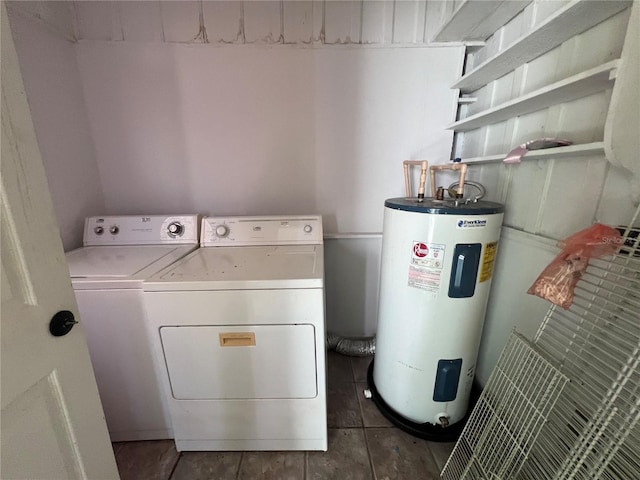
175	229
222	231
307	228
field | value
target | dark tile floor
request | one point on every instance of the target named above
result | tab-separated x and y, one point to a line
362	445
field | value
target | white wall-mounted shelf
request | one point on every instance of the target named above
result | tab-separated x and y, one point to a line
572	151
477	20
467	100
581	85
573	19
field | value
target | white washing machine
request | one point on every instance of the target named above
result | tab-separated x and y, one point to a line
107	274
238	332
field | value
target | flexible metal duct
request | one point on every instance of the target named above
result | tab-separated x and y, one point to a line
354	348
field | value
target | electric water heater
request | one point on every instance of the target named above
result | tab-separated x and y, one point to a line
437	263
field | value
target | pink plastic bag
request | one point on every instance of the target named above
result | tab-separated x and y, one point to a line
557	282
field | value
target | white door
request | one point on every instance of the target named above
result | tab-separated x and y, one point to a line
52	421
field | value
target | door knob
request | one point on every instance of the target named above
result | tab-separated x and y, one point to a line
62	323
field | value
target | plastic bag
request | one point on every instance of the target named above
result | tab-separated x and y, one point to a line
557	282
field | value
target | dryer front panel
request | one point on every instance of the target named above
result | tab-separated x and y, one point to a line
240	362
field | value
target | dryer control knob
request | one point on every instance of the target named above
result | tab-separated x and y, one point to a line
175	229
114	230
222	231
98	230
308	228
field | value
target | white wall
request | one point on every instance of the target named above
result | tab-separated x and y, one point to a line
352	275
258	130
52	82
374	109
521	258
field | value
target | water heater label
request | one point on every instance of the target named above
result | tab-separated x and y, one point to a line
488	261
475	223
427	254
425	278
425	269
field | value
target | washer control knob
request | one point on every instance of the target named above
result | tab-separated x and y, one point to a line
114	230
308	228
175	229
222	231
98	230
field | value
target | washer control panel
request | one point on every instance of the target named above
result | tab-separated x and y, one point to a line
141	230
266	230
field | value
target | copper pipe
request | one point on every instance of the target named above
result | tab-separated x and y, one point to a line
423	176
461	167
407	185
423	180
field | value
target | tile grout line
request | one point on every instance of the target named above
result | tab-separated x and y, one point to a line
355	392
366	443
237	476
355	386
353	372
351	427
175	465
305	471
364	426
117	449
433	457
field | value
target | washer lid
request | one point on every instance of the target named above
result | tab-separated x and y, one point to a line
444	207
224	268
115	261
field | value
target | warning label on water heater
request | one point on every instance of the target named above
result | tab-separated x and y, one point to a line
425	269
488	261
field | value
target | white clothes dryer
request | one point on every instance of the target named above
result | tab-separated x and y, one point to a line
238	330
107	274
